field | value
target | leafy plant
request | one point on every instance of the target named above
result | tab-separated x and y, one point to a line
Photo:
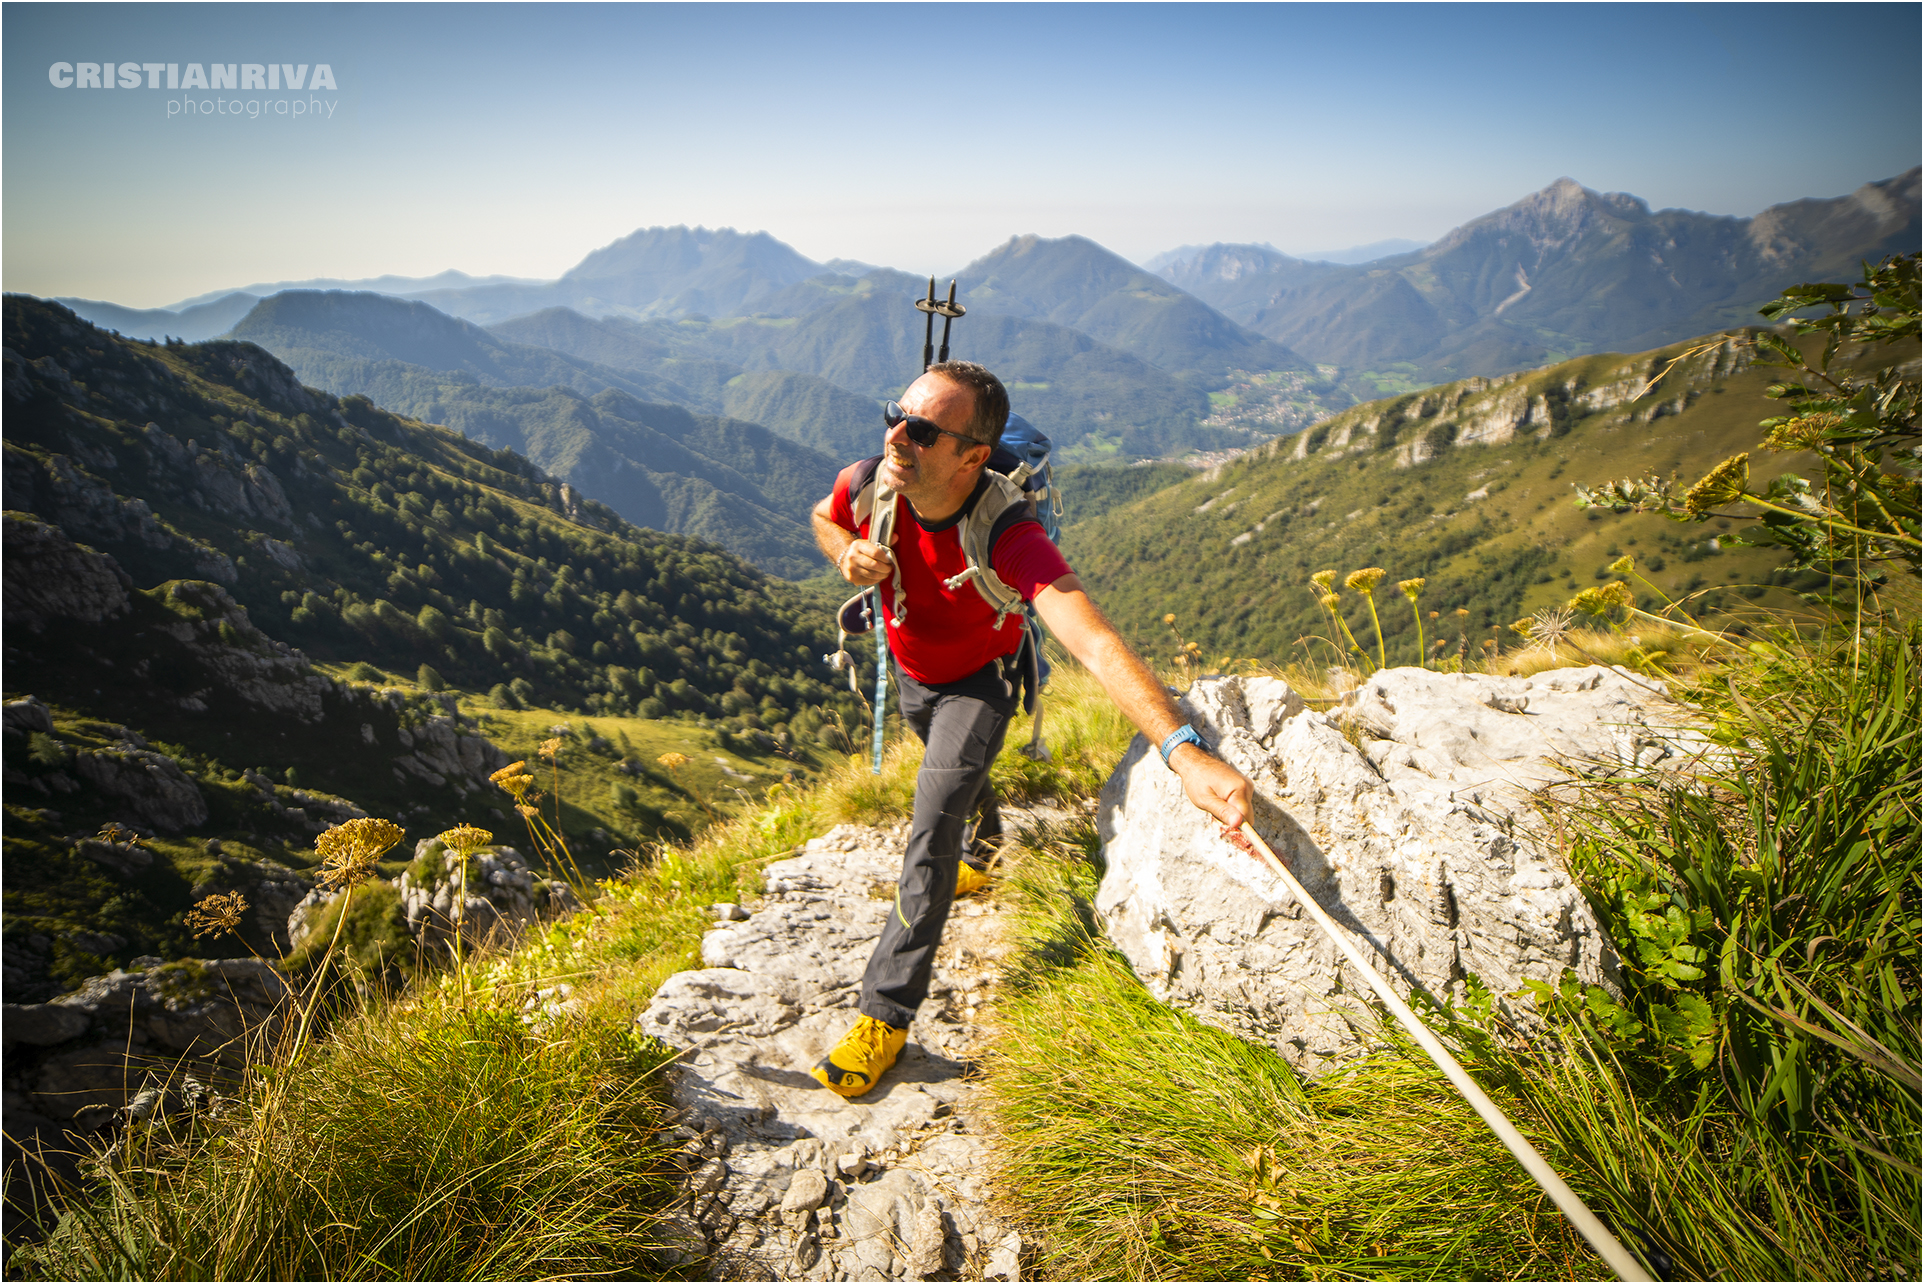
1864	428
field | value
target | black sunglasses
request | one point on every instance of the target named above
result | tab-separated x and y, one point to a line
923	432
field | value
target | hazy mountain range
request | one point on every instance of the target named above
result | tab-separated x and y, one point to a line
709	381
1564	271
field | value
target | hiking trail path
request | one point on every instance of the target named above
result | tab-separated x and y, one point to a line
786	1180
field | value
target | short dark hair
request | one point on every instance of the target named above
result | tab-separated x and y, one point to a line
991	413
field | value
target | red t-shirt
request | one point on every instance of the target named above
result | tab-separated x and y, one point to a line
949	633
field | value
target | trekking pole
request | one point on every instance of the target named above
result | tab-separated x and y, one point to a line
928	306
882	683
1587	1223
950	311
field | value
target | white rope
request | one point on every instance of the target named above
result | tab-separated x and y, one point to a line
1587	1223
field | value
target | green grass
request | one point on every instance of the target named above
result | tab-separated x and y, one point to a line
1144	1145
1754	1097
424	1141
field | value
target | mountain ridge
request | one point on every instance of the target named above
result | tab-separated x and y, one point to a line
1564	270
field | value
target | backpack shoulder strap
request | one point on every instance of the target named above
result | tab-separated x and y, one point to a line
862	488
999	506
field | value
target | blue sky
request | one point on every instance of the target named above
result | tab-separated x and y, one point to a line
517	138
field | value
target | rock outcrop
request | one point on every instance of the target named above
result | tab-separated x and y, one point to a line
239	659
50	578
786	1180
503	897
147	787
75	1063
1421	844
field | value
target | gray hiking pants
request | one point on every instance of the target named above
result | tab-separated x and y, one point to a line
961	726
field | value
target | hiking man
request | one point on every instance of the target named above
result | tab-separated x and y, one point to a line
956	666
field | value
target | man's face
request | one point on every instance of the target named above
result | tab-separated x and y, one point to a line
928	470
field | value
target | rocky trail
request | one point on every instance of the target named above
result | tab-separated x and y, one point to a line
786	1180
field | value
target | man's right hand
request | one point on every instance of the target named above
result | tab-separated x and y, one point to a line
864	562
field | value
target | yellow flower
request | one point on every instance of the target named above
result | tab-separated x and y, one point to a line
1461	612
513	780
1721	485
220	913
1411	588
1522	626
1324	579
524	809
549	748
350	850
1595	602
1330	601
466	840
1169	617
1365	580
1805	433
672	761
1622	567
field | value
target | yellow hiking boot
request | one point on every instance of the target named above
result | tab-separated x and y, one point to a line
969	879
854	1065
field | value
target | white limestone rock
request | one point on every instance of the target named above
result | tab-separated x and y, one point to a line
1421	845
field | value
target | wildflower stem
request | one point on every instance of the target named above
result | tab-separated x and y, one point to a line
1371	598
320	975
1750	498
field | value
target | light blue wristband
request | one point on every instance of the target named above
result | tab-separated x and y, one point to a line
1184	735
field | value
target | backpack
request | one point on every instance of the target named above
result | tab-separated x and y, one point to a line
1017	485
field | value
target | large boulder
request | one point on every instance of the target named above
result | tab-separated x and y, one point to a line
1422	844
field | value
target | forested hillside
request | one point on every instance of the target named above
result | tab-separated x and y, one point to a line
623	436
1466	486
262	591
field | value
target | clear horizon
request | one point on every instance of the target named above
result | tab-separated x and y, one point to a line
515	139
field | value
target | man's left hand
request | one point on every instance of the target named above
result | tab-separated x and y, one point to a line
1214	785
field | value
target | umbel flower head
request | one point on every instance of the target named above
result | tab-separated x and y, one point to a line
220	913
1598	601
1721	485
1622	567
1411	588
466	840
549	748
513	779
1364	581
672	761
1331	601
1324	580
350	850
1804	432
1169	617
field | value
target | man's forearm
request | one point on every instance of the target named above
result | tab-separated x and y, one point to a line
1210	783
